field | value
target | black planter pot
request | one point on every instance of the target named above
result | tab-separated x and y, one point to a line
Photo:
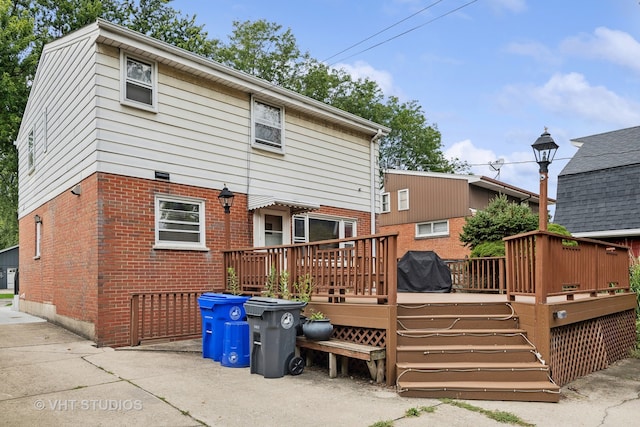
317	330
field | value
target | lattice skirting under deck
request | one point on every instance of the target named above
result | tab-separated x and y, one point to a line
585	347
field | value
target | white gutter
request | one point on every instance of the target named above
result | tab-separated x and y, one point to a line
372	161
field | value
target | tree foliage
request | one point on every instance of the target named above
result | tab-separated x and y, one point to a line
500	219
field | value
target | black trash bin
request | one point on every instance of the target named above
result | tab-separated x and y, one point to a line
273	327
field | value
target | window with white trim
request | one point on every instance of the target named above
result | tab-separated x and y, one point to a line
31	150
432	229
267	125
139	86
179	223
308	228
38	237
403	199
386	202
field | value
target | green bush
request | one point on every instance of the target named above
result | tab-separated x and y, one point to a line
488	249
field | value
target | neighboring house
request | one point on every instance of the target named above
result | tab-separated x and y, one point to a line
124	147
428	209
8	267
599	189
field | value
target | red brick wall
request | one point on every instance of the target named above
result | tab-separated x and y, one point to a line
98	249
448	247
66	272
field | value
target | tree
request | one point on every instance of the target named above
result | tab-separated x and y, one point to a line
500	219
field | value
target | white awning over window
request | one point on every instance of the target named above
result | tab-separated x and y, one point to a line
296	206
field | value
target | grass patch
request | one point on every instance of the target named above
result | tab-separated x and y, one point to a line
409	413
6	296
499	416
383	424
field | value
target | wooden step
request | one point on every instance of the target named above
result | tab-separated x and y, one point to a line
531	391
465	353
461	336
454	321
486	308
465	371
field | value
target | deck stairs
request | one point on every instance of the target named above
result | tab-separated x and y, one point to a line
469	351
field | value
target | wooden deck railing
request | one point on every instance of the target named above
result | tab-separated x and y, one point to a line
363	267
486	275
544	264
164	315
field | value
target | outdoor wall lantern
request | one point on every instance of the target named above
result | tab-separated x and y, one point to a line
37	219
226	201
545	150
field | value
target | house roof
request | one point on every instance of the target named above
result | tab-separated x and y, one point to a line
599	189
605	151
181	59
479	181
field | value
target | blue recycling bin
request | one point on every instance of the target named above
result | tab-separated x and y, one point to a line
216	309
237	346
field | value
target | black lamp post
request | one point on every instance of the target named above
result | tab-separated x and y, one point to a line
226	201
545	150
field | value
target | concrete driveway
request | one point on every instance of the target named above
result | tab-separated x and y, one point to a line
51	377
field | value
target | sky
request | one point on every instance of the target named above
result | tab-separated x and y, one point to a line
490	74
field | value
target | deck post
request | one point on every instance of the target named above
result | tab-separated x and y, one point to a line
541	267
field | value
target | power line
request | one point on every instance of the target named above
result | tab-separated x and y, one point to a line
403	33
383	30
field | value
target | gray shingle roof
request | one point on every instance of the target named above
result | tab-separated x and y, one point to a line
605	151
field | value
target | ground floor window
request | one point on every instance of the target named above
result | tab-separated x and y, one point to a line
432	229
311	228
179	222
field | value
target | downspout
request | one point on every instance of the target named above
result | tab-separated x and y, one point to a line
373	180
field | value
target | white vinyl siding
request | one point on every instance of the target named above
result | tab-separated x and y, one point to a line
403	199
179	223
139	87
201	134
432	229
267	126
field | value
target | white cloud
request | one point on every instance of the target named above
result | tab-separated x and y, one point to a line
615	46
361	69
571	94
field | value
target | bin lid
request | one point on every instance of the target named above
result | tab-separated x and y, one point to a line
258	305
209	299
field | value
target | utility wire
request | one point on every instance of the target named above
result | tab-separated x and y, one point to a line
403	33
383	30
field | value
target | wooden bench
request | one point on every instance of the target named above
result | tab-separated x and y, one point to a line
374	356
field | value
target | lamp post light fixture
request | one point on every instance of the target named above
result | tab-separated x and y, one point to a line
545	150
226	201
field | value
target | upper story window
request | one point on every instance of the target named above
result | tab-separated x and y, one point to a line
31	150
267	126
179	223
403	199
432	229
139	86
386	202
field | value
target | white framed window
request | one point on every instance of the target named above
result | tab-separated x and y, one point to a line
31	150
38	237
179	223
267	126
271	227
403	199
312	228
432	229
139	82
386	202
